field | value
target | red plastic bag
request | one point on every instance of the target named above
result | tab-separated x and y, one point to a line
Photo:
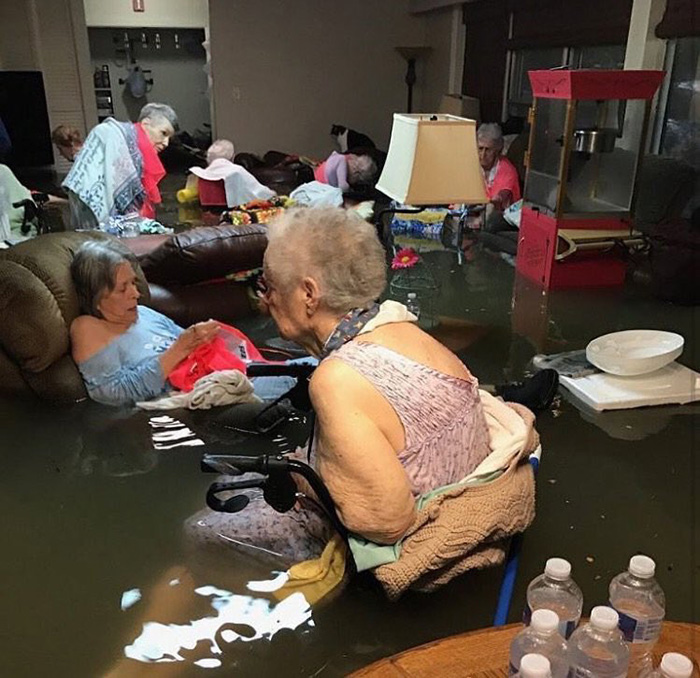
230	350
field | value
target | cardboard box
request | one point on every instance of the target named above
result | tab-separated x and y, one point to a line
461	105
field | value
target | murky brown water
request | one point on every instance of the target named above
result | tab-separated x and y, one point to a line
97	576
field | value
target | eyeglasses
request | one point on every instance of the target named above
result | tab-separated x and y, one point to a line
262	288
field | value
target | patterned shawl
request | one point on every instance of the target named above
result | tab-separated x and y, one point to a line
107	171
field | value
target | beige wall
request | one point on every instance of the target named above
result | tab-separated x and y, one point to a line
284	72
17	44
157	14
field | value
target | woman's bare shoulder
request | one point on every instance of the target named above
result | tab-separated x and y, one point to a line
87	336
335	385
413	343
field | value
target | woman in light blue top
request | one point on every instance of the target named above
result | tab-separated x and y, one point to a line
124	351
128	369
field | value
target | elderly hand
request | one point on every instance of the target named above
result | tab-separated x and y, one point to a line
192	338
197	335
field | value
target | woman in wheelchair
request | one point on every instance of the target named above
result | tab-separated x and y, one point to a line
397	414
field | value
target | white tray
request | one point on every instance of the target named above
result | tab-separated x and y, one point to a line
673	384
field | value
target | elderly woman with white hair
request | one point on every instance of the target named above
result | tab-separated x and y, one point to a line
397	414
118	169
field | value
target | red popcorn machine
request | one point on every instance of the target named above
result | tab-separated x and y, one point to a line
587	138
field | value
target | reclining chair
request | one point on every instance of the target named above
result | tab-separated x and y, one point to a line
183	276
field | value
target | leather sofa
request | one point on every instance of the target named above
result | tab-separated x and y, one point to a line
182	276
187	272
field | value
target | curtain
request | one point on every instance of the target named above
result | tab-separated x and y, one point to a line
485	56
570	23
681	19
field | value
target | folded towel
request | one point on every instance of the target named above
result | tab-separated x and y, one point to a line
318	577
226	387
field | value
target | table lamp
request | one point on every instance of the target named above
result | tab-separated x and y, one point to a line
433	160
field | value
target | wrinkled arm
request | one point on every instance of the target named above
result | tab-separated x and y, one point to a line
355	460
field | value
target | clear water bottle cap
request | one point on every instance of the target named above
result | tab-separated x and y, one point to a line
535	666
604	618
642	567
544	620
558	568
675	665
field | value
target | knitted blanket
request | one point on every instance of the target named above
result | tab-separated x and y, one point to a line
465	528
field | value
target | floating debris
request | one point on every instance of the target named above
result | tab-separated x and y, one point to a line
590	559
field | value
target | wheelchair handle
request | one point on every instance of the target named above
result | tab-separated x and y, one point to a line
268	466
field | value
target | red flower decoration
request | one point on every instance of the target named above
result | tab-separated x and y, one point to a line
405	258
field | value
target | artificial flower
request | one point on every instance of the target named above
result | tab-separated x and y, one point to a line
405	258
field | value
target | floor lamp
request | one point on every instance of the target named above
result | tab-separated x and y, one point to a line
412	54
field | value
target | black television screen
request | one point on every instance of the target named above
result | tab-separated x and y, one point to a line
23	111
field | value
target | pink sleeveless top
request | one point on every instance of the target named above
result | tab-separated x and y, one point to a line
443	419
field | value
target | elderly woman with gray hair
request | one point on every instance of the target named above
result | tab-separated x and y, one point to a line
500	175
124	351
398	414
118	169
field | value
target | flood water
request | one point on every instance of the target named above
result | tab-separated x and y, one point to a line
98	577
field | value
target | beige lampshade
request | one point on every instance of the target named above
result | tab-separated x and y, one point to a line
433	160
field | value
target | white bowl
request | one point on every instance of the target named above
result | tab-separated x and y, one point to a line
634	352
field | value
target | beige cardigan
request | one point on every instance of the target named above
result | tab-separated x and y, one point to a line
465	528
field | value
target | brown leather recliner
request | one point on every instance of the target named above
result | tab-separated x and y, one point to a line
187	272
38	301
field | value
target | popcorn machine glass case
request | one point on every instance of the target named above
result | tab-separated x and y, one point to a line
587	136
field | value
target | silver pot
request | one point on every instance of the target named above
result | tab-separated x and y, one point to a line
595	140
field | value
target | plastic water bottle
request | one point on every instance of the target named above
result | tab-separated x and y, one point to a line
534	666
412	304
556	590
641	604
673	665
597	649
541	637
